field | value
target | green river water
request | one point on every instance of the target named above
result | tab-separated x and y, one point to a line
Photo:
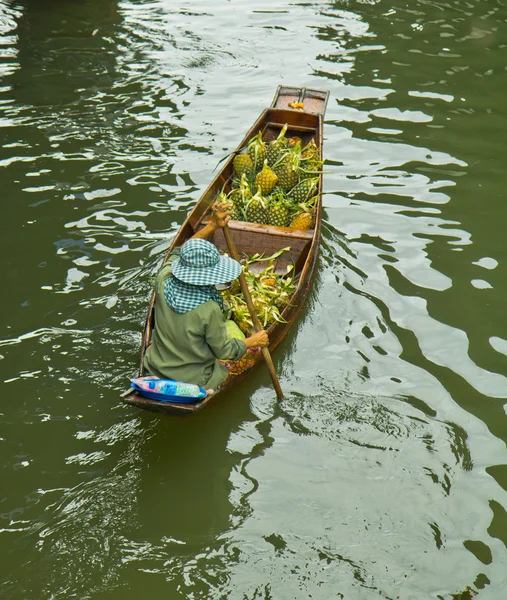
384	474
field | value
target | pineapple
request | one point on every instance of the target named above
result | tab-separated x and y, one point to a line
279	211
305	219
235	287
237	211
282	300
239	198
243	320
242	164
288	177
257	151
256	210
236	367
268	280
276	147
287	168
310	151
263	308
311	165
309	169
304	190
222	198
266	179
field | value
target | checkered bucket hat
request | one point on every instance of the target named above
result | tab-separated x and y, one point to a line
200	263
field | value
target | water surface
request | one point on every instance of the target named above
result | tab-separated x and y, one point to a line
384	473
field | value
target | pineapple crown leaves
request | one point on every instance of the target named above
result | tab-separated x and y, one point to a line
256	140
258	198
266	169
311	150
257	150
310	167
243	188
268	290
314	170
308	185
222	197
242	156
271	292
256	144
248	260
312	160
312	201
279	199
287	281
281	135
281	140
308	205
295	146
244	185
289	158
267	271
277	316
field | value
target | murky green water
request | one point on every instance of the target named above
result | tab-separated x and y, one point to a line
384	474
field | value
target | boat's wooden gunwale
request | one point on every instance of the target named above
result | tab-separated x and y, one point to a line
269	118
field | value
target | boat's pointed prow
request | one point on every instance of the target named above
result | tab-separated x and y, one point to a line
302	99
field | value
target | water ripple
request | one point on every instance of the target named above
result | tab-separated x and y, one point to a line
383	473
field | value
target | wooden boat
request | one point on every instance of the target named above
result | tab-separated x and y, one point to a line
307	123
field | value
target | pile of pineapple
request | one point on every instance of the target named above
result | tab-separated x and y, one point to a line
271	293
276	183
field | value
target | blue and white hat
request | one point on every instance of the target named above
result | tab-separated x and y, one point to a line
200	263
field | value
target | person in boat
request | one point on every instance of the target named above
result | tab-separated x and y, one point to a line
190	337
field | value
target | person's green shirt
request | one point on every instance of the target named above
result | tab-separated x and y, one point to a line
187	347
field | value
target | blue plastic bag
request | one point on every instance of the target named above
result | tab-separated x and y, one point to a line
168	390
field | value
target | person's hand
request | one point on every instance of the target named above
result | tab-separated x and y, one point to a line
221	214
259	339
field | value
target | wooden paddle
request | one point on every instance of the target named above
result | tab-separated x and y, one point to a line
248	298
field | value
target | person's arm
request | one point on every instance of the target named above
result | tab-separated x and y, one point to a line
220	216
224	347
259	339
221	345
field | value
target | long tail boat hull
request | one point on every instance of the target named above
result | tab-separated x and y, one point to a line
249	238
